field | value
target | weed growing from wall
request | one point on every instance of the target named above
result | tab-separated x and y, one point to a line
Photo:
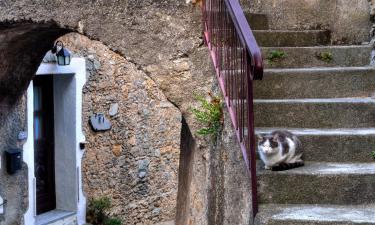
210	115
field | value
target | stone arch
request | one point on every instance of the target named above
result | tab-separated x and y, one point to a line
23	46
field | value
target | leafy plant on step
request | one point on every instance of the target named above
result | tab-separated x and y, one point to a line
325	56
275	55
373	154
210	115
98	212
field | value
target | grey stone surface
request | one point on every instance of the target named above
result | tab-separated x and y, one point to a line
348	21
332	82
12	187
313	214
113	110
319	183
315	113
123	163
304	57
287	38
257	21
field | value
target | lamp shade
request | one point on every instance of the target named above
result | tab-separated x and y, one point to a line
63	57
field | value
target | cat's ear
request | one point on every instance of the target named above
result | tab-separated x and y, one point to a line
275	137
260	137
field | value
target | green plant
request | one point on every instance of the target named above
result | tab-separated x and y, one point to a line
325	56
373	154
97	212
275	55
113	221
210	115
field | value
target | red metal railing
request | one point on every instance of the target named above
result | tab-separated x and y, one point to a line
238	61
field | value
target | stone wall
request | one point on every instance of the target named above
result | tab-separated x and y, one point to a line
348	20
13	188
136	162
160	38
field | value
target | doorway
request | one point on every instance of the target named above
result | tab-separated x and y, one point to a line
44	144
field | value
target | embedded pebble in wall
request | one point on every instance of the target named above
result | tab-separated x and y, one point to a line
113	110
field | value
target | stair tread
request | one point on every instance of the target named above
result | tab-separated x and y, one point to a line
290	31
326	168
318	100
320	69
318	213
321	132
319	47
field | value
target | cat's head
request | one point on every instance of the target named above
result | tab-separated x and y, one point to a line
268	144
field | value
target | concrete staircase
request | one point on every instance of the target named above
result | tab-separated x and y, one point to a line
330	106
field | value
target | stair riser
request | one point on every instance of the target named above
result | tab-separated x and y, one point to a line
315	85
354	148
314	189
307	57
315	115
257	21
291	38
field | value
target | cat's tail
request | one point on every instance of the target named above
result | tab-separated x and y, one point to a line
287	166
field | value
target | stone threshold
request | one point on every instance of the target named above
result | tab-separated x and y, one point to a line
52	216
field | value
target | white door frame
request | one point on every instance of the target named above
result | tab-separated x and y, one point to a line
77	68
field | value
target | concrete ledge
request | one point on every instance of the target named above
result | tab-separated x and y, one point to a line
316	113
305	57
319	183
328	82
315	214
286	38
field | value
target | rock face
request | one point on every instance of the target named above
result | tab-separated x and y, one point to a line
13	188
161	38
136	162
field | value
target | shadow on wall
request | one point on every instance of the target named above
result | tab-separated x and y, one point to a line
22	48
185	173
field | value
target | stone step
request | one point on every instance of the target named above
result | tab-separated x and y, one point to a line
257	21
327	82
305	57
333	145
319	183
273	214
288	38
315	113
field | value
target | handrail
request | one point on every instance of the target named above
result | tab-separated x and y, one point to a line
238	61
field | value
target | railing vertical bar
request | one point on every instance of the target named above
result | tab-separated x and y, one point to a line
237	61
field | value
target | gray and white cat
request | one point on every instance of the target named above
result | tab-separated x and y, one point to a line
280	150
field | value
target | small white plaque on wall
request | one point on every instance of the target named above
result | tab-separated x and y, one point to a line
1	205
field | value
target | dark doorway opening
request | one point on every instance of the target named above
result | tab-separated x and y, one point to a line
44	144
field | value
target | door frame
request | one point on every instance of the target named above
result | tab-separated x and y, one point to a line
77	71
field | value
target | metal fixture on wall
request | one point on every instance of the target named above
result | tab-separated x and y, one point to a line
13	160
63	56
99	122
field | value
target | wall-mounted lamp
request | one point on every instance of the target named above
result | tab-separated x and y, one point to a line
62	55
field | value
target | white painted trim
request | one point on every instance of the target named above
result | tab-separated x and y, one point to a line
28	157
77	68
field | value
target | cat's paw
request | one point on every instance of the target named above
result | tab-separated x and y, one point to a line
267	167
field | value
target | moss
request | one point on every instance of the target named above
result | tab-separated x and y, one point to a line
275	55
325	56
